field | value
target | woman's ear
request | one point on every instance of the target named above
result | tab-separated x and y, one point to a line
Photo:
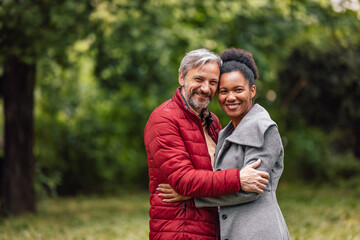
252	91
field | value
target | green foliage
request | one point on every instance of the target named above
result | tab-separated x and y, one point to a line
313	155
343	170
103	66
330	81
305	154
29	29
319	92
92	139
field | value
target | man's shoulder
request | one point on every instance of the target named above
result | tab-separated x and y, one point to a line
169	111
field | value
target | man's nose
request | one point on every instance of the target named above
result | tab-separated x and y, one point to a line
205	87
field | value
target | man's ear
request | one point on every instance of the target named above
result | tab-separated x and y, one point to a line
181	79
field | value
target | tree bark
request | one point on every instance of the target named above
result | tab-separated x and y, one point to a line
357	139
18	194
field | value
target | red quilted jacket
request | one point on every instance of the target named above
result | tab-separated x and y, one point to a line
178	155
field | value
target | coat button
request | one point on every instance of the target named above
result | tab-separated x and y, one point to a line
224	216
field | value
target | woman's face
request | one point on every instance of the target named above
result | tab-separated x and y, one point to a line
235	96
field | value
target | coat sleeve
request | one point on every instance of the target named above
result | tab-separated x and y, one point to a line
269	153
168	149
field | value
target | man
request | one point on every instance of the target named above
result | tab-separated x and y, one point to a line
180	139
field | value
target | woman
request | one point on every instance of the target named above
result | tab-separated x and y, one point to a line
250	135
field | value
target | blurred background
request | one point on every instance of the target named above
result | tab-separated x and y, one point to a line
79	79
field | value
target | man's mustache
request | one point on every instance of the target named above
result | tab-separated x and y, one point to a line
200	92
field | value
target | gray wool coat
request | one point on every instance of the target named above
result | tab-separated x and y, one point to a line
246	215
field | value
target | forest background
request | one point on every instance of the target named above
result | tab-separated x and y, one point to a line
79	79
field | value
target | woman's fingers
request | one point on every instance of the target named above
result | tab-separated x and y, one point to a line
169	195
170	200
165	190
165	185
165	195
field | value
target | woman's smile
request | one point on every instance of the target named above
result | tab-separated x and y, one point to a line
232	106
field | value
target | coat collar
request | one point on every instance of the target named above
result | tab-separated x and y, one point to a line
251	129
205	116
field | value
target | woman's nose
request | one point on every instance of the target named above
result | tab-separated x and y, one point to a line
231	96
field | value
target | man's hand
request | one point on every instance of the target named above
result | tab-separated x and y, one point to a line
169	194
253	180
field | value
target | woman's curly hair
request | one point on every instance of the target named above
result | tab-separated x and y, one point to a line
239	60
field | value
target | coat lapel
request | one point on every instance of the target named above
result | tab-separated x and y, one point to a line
251	129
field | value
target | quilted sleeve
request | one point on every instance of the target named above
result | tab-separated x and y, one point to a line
168	150
270	154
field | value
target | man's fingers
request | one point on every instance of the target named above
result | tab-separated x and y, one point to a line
264	174
262	186
264	181
255	164
258	190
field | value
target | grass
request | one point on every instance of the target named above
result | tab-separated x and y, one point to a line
320	213
317	213
82	218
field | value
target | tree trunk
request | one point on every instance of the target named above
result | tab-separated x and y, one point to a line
357	139
18	194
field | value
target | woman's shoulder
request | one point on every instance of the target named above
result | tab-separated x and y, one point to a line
258	117
252	128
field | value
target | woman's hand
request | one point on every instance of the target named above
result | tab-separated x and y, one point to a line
169	194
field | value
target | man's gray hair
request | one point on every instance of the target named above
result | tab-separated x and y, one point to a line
197	58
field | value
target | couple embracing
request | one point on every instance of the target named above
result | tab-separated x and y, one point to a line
207	183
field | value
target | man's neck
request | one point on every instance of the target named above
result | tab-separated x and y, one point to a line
188	105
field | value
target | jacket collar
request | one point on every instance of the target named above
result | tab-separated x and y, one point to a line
251	129
205	115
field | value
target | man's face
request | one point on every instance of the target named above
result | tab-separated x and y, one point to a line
200	85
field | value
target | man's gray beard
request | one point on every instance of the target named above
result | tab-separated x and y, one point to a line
192	102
